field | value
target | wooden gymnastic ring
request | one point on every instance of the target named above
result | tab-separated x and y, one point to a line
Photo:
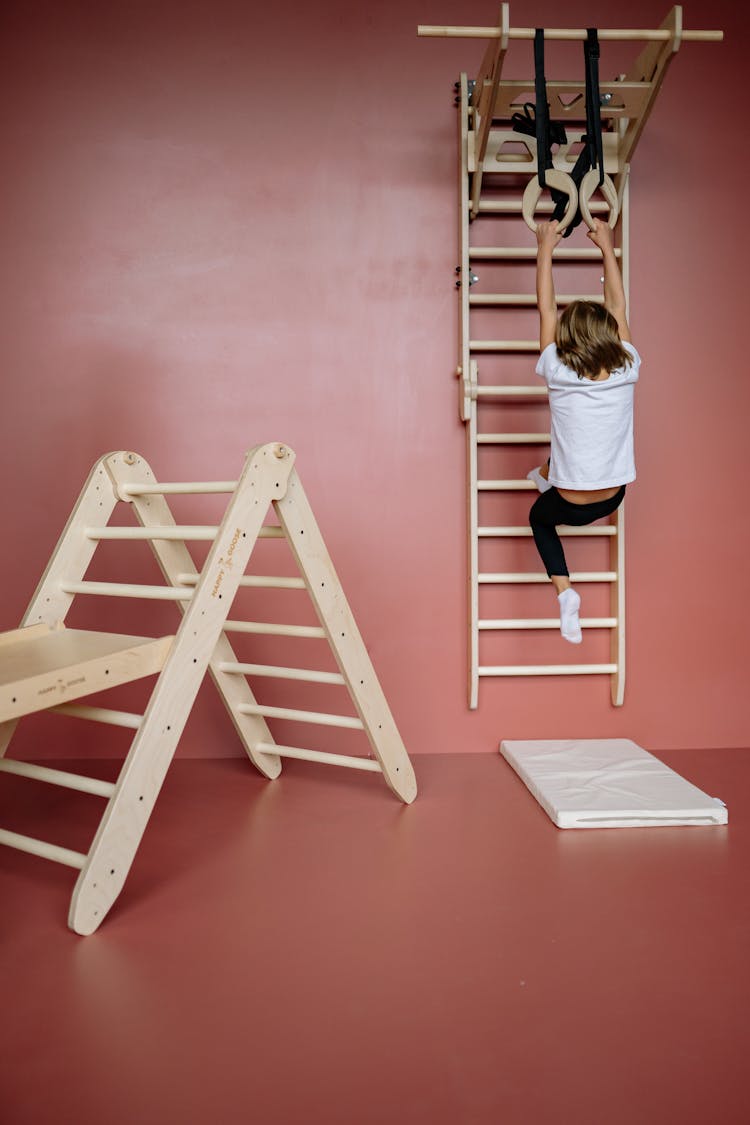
559	180
590	184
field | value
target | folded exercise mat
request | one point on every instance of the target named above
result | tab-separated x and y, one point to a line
608	783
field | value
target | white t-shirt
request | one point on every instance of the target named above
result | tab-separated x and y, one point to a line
592	423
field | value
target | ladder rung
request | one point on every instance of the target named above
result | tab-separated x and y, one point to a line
99	715
126	590
506	485
319	756
503	345
42	848
531	577
522	299
182	532
544	623
547	670
266	582
309	675
148	488
168	531
319	717
482	391
513	439
273	582
515	206
35	772
525	531
265	628
497	253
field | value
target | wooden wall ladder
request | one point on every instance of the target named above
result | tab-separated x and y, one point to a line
496	164
45	666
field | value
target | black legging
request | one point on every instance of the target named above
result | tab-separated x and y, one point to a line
550	510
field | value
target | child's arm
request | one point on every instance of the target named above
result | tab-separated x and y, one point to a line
614	294
547	238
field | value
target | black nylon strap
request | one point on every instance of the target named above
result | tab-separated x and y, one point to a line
593	102
541	111
592	153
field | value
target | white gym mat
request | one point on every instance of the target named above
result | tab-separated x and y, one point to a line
608	783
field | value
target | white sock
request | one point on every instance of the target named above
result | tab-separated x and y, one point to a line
536	476
570	626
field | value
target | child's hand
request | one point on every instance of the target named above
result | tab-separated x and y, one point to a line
548	234
601	235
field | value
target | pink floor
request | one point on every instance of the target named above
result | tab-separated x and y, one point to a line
310	951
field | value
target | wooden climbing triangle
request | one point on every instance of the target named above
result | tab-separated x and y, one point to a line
505	414
46	666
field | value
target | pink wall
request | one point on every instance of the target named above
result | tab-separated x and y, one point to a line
228	223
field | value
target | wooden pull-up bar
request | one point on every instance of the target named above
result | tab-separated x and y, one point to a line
574	33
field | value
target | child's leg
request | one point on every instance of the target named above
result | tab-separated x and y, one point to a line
546	513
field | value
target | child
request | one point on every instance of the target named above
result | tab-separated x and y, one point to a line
590	367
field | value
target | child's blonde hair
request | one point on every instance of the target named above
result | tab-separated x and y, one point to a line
588	339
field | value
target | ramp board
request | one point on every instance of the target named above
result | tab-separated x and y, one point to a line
608	783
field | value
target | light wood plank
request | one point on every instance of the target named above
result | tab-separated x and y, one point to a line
65	664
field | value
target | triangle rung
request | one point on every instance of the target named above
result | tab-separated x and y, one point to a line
321	718
308	675
42	849
266	628
93	785
257	581
322	757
